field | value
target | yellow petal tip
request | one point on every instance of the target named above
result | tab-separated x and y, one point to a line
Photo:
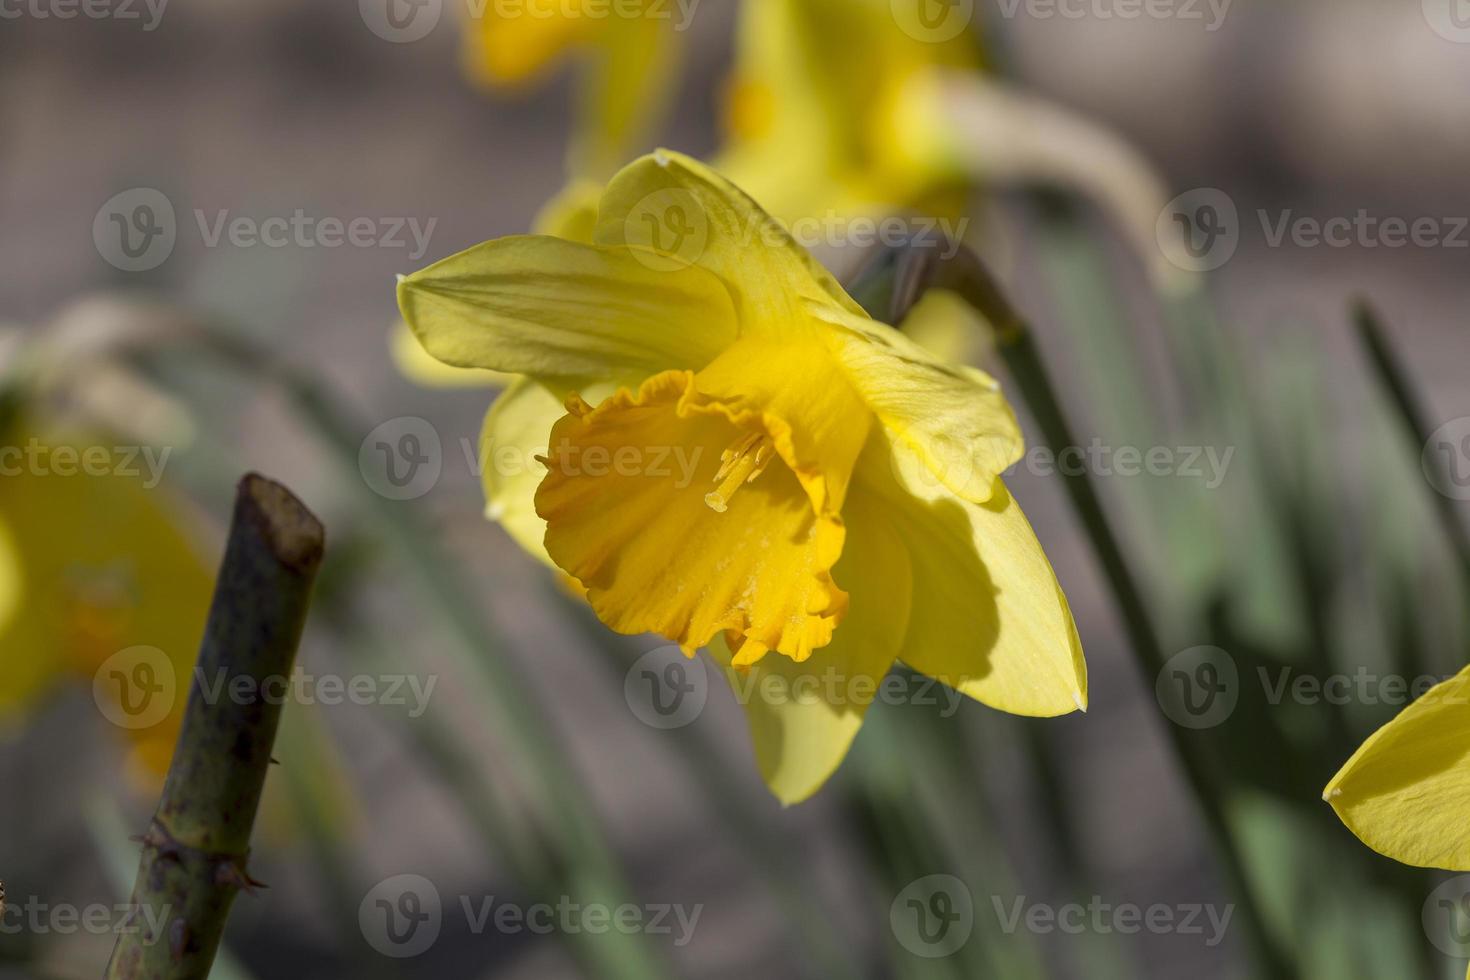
1080	701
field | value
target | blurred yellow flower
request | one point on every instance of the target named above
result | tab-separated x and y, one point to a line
832	105
631	56
94	563
739	456
846	109
1406	791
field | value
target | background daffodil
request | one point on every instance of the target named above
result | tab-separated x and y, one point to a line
1406	791
90	566
785	464
914	124
631	57
865	127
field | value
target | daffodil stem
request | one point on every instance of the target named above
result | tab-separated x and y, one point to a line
1026	367
1414	421
893	283
194	852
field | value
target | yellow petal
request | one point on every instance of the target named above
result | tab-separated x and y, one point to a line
804	716
565	313
955	420
947	327
512	45
517	431
571	215
988	616
415	364
106	564
26	675
691	215
1406	791
684	522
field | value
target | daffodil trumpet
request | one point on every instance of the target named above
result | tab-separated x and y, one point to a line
845	508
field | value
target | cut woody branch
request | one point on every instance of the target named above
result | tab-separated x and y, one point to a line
194	852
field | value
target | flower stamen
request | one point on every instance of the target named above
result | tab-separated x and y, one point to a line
741	463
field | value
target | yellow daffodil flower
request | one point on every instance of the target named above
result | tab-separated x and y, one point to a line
632	57
1406	791
840	109
92	565
734	454
831	102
